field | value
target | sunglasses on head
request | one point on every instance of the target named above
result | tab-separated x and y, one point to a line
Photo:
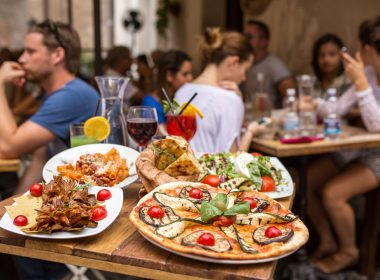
52	27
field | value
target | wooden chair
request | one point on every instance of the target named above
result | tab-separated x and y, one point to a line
370	234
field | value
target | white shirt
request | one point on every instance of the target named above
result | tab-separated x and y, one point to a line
368	101
223	114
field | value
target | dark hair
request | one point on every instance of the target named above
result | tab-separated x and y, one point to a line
116	54
369	33
58	34
215	46
327	38
262	26
170	62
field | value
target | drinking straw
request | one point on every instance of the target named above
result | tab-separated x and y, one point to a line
188	103
97	107
172	110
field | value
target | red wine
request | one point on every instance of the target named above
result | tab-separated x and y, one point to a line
142	130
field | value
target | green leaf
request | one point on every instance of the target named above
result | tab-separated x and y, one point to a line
238	208
254	174
166	106
209	211
220	201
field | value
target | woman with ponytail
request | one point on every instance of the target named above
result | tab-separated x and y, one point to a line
226	57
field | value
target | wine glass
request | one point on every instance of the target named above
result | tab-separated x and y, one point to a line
182	125
142	124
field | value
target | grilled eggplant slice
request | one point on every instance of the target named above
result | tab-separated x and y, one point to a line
263	219
234	183
175	228
168	218
221	243
176	203
185	194
260	238
261	205
233	233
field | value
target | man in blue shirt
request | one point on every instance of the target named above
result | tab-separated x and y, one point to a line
51	58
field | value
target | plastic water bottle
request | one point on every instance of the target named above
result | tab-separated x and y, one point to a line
331	122
291	120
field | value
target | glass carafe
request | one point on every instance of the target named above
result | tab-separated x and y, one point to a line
308	118
112	92
262	104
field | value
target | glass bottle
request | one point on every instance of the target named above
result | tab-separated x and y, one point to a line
112	92
291	119
331	122
308	118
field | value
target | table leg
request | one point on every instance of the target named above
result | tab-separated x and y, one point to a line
303	165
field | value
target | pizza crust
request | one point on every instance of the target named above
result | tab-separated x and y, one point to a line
276	249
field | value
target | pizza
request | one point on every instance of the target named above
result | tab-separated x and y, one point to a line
195	218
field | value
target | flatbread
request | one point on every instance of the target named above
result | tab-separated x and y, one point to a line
259	251
186	164
168	150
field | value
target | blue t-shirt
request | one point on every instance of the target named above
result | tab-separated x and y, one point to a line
75	102
150	100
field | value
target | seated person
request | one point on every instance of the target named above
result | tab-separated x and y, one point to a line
174	70
277	78
327	63
226	57
335	179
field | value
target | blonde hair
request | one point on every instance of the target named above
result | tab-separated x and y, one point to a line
215	46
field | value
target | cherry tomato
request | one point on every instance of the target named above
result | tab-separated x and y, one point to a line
251	201
98	213
212	180
195	193
20	221
156	212
36	189
206	239
103	195
268	184
256	154
272	232
223	221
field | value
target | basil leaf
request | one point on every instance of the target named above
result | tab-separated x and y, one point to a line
220	201
209	211
238	208
254	174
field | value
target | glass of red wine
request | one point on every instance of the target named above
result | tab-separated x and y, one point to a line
142	124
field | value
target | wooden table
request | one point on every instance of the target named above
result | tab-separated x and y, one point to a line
8	165
122	249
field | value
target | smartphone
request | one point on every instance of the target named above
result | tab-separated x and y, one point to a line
264	121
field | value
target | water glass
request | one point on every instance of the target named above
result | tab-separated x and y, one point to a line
308	123
77	137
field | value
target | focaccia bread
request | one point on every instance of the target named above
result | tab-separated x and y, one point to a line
167	160
180	225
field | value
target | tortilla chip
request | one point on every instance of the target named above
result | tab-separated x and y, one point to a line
168	150
30	201
186	164
26	210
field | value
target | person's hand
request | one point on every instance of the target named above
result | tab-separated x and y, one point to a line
12	72
255	128
230	85
354	69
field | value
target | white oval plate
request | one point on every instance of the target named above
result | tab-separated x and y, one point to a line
73	154
112	205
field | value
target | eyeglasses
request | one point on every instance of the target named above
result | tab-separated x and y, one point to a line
52	27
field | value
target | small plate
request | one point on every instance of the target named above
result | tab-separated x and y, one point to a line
112	205
73	154
285	188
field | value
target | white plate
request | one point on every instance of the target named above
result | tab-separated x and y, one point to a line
213	260
73	154
113	206
285	188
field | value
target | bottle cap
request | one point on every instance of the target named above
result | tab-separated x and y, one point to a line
331	91
291	91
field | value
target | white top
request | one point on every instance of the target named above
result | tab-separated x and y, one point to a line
367	100
223	114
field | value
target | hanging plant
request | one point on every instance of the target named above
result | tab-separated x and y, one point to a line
165	8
